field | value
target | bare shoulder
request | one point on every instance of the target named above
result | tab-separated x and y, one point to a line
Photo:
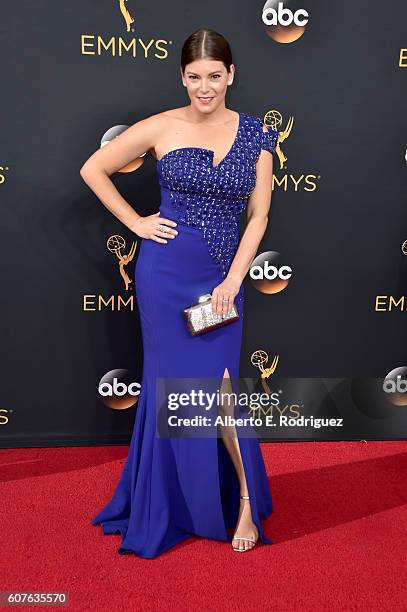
160	127
166	118
175	114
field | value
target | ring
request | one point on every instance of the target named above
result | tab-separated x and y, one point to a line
162	228
225	299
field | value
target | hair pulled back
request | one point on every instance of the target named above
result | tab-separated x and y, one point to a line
206	44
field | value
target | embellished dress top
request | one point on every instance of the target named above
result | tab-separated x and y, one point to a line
211	198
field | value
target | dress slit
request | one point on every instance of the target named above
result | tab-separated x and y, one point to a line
246	445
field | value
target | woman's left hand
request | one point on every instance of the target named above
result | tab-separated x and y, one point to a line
223	296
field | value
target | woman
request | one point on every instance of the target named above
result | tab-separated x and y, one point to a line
212	163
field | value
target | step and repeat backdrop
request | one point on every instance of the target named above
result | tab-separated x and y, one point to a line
325	310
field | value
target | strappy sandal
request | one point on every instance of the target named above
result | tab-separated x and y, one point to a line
235	537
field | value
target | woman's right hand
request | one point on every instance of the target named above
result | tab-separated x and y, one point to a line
149	227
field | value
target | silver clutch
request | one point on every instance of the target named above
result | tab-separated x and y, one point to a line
200	318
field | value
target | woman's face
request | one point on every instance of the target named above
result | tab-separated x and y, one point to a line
206	81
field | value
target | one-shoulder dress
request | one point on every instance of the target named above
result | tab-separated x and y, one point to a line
172	488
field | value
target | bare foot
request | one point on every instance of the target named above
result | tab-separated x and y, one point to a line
245	528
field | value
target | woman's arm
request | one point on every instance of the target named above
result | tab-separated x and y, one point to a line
125	148
257	215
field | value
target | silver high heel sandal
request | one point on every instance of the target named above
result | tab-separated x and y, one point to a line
235	537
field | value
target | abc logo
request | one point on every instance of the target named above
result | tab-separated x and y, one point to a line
118	390
269	274
395	386
284	24
390	386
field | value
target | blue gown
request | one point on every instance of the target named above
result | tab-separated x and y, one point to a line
174	488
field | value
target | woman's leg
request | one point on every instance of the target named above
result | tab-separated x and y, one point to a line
244	526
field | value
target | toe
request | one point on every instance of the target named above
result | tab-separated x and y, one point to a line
236	543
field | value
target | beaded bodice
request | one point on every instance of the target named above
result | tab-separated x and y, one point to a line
212	198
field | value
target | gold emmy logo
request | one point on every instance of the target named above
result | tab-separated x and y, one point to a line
273	119
116	244
125	45
404	247
258	359
127	17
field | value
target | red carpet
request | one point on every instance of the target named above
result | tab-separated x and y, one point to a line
339	527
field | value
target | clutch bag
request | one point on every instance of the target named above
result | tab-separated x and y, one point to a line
201	319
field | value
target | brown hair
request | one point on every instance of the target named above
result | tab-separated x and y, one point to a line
206	44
